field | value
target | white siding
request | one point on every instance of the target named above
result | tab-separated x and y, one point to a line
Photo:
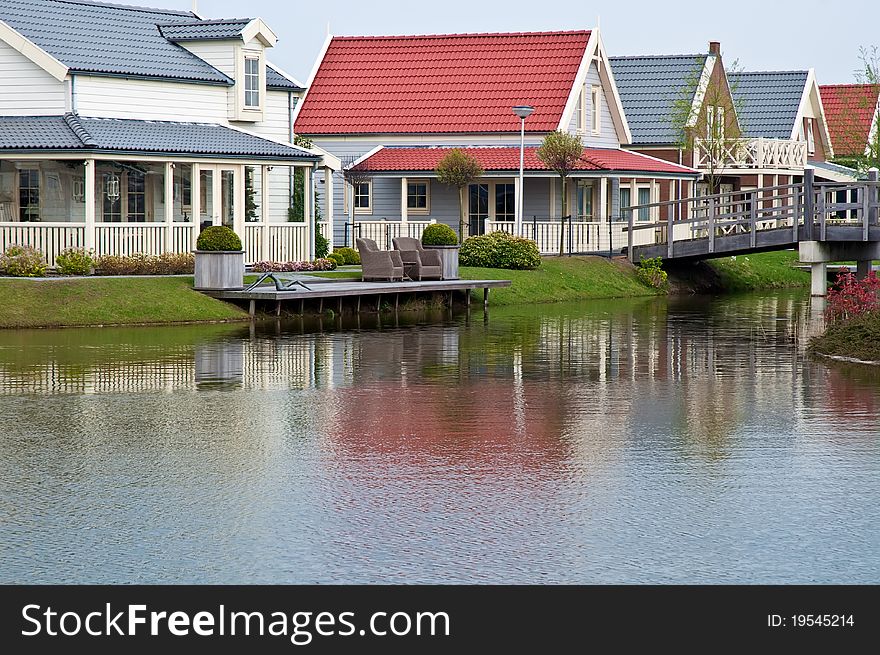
110	97
26	89
607	137
276	118
220	54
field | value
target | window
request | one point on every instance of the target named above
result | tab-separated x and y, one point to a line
137	203
710	122
417	197
363	197
595	123
111	198
29	194
811	139
584	200
625	201
505	202
581	111
478	208
644	199
719	117
252	82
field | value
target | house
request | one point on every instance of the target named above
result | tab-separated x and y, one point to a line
738	129
126	129
391	107
853	114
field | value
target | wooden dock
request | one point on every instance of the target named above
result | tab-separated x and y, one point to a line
328	292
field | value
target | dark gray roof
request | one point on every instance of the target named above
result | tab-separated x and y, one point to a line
73	132
204	29
837	168
108	39
648	88
275	80
768	102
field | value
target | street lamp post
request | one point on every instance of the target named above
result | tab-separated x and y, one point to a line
523	112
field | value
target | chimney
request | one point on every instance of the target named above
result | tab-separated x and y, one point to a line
715	48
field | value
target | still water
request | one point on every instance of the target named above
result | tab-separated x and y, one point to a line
668	441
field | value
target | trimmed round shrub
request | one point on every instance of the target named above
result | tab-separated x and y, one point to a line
75	261
218	238
350	255
336	257
22	261
439	234
500	250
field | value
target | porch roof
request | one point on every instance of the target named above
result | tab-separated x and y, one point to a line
73	133
391	159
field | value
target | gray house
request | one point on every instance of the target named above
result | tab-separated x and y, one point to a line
390	107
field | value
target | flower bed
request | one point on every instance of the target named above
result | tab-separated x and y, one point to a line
294	267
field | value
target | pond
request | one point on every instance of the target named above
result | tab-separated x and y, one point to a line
681	440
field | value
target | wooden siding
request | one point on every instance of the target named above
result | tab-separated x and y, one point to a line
26	89
108	97
220	54
607	137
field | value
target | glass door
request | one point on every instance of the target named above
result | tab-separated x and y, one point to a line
217	191
206	197
227	197
478	208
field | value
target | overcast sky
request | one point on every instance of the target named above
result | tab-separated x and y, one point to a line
760	34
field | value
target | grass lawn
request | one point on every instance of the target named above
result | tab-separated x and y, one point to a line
766	270
562	279
107	301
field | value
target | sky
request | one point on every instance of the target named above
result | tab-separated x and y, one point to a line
757	34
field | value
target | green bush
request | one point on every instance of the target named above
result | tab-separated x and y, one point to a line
336	257
138	264
75	261
500	250
22	261
650	272
439	234
218	238
322	245
350	255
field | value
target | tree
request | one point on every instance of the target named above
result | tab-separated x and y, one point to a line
712	129
561	152
250	202
296	211
458	169
353	179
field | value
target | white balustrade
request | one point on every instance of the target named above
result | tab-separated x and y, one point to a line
48	238
130	239
287	242
750	153
579	237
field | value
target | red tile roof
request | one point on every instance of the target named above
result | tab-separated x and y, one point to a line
849	110
506	158
456	83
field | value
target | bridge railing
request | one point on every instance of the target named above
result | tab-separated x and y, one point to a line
846	204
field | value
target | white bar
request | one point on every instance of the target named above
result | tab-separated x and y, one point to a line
169	207
264	199
328	204
90	204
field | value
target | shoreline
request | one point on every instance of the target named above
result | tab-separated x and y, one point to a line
170	300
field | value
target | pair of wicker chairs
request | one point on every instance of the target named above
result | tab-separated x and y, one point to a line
407	260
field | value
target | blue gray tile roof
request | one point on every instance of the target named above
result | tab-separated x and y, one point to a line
73	132
275	80
768	102
204	29
838	169
649	87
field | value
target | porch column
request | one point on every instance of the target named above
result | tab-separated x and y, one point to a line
265	245
517	209
89	181
238	204
328	204
195	203
615	198
404	210
169	207
602	213
308	211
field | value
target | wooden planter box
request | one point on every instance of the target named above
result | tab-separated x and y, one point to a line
221	270
448	260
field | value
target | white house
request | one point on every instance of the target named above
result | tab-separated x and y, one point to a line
391	107
125	129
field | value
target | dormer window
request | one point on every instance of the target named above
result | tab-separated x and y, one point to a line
252	82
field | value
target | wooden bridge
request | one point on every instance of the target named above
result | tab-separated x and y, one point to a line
826	221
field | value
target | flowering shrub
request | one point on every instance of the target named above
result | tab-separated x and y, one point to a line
75	261
850	297
165	264
22	261
294	267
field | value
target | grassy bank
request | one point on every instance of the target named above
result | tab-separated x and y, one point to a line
856	338
564	279
766	270
107	301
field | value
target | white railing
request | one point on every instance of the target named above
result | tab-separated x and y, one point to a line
183	239
757	153
49	238
130	238
253	243
383	232
287	242
577	237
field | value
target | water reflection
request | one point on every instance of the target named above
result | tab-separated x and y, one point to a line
679	440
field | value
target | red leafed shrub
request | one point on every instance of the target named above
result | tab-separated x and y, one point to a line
851	297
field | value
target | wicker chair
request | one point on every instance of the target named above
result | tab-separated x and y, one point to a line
379	264
418	263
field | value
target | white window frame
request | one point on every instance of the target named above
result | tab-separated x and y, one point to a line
579	214
416	211
811	137
710	122
582	111
246	76
596	107
719	118
17	191
239	110
354	196
493	199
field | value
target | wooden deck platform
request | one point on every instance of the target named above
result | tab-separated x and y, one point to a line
327	291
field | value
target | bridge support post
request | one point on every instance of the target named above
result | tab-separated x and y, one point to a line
863	267
819	253
819	279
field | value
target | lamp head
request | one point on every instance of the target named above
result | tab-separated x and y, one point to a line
523	111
